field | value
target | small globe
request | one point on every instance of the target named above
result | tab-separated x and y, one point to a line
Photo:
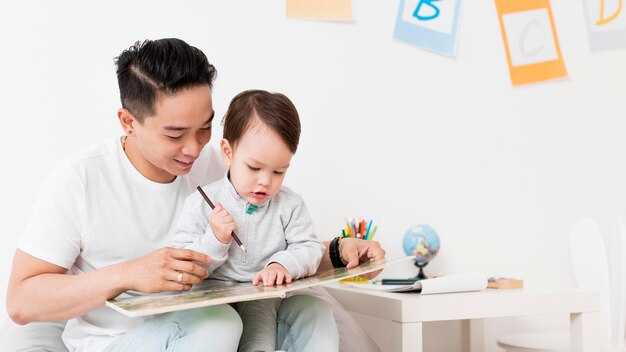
422	242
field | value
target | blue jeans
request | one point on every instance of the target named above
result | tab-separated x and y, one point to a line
216	328
296	331
297	323
306	323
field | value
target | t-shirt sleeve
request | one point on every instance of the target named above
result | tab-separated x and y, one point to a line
53	231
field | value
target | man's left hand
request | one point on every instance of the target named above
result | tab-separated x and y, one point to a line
354	251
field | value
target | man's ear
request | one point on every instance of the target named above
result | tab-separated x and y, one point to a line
227	151
127	120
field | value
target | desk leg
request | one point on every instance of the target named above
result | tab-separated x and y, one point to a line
585	332
472	335
392	336
407	337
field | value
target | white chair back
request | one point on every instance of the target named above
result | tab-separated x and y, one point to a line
591	271
618	284
591	267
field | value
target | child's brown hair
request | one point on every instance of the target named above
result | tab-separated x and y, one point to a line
275	110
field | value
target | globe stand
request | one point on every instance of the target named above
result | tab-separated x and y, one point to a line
420	274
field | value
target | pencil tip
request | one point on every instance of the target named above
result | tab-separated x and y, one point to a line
244	248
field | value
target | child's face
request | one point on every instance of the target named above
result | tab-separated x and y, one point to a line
257	164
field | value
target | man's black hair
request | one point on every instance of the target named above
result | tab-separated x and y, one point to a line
154	67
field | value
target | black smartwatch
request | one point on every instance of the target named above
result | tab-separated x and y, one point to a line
333	252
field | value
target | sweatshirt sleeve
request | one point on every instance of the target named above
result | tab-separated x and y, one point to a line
304	250
193	232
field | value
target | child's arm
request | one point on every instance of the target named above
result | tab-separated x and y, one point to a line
194	232
304	250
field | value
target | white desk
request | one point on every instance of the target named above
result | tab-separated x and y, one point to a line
394	320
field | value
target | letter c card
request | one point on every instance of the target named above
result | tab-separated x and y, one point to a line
530	40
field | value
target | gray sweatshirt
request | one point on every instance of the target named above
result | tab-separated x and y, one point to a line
280	230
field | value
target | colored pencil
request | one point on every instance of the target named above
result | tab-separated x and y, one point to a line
367	232
213	207
373	232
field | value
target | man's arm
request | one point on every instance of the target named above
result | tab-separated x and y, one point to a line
353	251
41	291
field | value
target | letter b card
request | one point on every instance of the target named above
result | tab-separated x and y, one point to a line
429	24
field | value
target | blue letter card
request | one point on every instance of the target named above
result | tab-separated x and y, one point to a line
429	24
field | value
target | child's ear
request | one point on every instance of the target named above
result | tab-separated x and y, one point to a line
227	152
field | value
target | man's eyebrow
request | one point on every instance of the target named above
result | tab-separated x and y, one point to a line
178	128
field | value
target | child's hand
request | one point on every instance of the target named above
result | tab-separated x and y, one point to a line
273	273
222	223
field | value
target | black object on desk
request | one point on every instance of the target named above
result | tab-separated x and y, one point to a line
399	281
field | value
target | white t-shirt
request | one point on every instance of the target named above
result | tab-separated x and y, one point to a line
95	210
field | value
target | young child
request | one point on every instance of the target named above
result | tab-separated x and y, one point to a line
261	135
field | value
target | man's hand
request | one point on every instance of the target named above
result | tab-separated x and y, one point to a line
166	269
354	251
273	273
222	223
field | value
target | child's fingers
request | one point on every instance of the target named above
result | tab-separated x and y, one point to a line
269	278
221	212
280	278
218	206
260	277
256	279
283	278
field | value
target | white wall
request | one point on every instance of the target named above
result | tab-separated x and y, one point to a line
389	131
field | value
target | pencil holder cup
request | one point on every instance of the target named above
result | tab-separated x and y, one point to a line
363	229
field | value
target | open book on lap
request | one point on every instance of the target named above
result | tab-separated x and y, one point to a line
214	292
475	281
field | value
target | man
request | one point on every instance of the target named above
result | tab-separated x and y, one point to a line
104	214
